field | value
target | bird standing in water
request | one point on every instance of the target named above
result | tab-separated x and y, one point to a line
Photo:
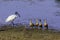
31	24
45	24
40	24
37	23
11	18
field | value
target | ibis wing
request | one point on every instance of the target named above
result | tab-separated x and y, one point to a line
11	18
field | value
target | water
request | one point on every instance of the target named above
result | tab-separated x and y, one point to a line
41	9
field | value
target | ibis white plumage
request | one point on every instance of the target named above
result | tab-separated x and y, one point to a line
11	18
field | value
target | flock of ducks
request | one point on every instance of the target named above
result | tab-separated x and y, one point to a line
39	24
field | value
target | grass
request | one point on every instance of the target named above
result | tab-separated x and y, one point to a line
25	34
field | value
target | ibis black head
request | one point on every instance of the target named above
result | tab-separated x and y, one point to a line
16	13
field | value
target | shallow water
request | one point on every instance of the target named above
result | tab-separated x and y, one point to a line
49	9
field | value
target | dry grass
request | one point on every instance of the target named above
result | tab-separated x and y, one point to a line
20	34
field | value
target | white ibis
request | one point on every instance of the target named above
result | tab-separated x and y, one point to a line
31	24
40	24
11	18
45	24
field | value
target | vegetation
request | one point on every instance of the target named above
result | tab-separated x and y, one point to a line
58	0
20	33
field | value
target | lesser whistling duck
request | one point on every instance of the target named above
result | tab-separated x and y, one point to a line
40	24
31	24
37	23
45	24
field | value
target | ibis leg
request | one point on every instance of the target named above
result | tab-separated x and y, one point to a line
13	24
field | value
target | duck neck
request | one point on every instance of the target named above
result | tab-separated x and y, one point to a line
37	21
30	22
40	23
45	22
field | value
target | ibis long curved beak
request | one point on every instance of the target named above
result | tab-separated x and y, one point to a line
19	15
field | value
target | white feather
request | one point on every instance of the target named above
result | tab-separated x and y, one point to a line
11	18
